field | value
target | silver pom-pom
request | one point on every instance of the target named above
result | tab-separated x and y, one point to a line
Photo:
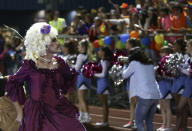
72	59
123	59
174	62
115	74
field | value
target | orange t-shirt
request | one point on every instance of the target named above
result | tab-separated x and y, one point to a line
178	23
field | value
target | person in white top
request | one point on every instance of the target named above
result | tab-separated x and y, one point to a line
103	84
186	96
69	50
131	45
83	83
143	85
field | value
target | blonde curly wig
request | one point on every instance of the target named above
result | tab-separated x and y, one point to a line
36	40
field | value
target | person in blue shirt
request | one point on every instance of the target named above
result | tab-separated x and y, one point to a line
143	84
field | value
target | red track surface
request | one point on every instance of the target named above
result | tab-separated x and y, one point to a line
119	117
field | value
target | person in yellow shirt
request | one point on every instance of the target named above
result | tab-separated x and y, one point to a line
59	24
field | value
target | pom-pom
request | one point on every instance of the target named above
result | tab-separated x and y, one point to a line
116	55
171	64
90	69
115	74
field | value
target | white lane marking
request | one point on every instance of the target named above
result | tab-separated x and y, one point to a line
113	117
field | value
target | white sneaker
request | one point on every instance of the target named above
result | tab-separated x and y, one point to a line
161	128
101	124
128	125
166	129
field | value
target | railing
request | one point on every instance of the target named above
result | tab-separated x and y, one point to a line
66	36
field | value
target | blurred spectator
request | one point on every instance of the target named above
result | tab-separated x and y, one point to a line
164	20
2	42
153	18
58	23
178	18
95	29
189	19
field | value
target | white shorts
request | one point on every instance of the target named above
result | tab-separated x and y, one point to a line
83	87
106	92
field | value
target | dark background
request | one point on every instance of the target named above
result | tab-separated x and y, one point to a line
20	13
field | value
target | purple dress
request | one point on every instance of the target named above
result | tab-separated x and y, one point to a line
46	109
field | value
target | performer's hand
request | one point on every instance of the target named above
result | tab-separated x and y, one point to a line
19	117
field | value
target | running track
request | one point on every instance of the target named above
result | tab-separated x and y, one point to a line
119	117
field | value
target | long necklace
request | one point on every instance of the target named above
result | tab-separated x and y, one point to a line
46	60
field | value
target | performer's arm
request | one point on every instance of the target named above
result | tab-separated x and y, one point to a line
19	110
104	70
126	73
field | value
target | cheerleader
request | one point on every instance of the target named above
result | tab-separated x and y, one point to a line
186	96
70	52
130	45
105	55
70	55
178	87
143	85
83	83
165	85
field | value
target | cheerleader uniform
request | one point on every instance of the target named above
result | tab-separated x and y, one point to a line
179	82
165	88
82	82
188	81
102	78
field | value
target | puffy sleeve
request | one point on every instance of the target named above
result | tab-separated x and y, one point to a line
14	86
69	75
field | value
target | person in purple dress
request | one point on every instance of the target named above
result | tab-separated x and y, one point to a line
49	77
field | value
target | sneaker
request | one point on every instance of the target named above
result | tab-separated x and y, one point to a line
128	125
161	128
165	129
101	124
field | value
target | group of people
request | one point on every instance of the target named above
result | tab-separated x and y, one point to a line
50	79
160	15
52	70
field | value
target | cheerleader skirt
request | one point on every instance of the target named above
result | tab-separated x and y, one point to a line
81	79
102	85
188	87
165	87
178	84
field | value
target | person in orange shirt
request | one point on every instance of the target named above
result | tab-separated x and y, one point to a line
178	21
